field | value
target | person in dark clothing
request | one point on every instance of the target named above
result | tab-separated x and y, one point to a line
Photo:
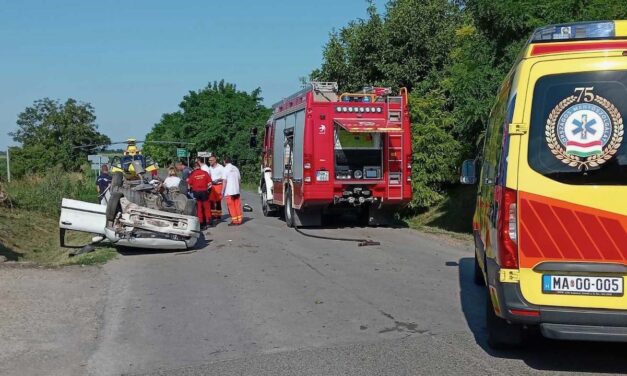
103	182
199	183
184	169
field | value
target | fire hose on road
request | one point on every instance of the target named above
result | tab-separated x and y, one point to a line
360	242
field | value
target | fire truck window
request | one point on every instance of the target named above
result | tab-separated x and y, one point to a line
347	140
299	138
277	150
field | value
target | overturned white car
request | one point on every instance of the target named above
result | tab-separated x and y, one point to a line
126	224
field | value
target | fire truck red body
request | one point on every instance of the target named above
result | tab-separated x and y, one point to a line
325	152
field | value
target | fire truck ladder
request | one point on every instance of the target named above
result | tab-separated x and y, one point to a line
325	87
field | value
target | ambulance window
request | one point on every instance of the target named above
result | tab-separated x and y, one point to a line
577	131
492	170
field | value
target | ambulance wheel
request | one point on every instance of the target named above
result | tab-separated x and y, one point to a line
478	274
501	334
289	209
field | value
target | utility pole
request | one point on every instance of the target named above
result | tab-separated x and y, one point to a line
8	164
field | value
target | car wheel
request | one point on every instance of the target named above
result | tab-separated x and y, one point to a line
183	187
135	197
289	210
478	273
114	207
501	334
190	208
117	180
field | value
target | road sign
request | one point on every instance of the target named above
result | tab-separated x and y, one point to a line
97	161
204	154
181	152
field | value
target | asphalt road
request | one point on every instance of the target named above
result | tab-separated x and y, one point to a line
261	299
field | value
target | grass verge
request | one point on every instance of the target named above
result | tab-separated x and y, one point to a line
29	229
452	216
250	187
33	237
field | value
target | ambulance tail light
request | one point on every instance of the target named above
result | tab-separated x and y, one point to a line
507	227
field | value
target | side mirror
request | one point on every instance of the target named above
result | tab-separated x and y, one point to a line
469	174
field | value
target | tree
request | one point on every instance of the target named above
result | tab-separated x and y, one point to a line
50	133
218	119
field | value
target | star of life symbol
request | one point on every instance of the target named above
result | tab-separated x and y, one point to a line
584	129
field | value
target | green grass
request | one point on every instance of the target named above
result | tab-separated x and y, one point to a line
452	216
29	229
34	237
43	194
250	187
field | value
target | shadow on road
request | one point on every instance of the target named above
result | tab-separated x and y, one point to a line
125	251
540	353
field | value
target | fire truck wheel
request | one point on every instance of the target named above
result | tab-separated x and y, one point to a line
265	207
364	216
289	209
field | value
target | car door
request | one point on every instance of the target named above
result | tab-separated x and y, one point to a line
82	217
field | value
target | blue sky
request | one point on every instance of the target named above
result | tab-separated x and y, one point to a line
135	60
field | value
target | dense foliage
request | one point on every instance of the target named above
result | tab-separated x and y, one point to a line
50	132
452	56
218	119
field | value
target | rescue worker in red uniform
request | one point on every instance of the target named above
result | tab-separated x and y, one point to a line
199	183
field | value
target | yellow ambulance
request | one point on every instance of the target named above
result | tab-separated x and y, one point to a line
550	224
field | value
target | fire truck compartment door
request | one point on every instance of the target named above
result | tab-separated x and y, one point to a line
367	126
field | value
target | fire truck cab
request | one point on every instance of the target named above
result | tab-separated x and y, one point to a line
326	152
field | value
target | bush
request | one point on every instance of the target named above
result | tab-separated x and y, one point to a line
43	193
435	159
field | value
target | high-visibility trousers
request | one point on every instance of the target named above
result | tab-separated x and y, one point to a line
235	209
215	198
203	208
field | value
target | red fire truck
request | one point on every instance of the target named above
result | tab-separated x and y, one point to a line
325	152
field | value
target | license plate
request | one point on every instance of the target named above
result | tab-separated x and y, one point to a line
581	285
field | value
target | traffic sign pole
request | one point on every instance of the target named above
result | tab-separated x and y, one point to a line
8	164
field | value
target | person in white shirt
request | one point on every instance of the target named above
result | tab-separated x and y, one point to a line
203	165
215	195
172	181
230	190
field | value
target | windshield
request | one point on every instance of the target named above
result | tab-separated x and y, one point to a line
576	134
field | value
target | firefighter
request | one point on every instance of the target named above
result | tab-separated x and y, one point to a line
199	183
230	190
215	195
